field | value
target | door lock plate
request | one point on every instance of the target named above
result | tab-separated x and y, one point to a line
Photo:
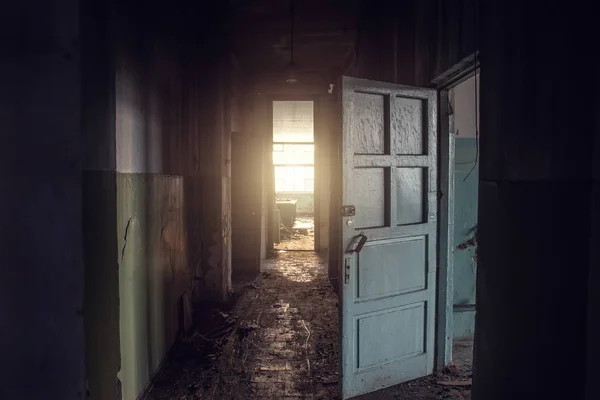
347	271
348	211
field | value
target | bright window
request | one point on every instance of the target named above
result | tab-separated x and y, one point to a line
293	146
293	154
293	121
294	179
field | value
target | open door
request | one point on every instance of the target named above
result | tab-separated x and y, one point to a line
388	225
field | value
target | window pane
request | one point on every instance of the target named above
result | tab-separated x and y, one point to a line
288	185
294	179
291	154
309	185
293	121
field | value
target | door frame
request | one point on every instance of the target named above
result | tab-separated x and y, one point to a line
466	69
318	122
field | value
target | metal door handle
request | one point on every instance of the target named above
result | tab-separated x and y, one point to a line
356	244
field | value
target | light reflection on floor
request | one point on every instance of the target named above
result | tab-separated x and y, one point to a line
300	237
289	348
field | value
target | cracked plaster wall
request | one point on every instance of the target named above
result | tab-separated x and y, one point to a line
157	225
169	202
155	272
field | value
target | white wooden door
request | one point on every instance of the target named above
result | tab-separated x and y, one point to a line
387	289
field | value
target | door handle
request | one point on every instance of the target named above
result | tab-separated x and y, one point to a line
356	244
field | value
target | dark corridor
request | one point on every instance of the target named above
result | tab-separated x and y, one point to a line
116	214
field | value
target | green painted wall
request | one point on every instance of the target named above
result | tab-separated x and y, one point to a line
465	219
153	272
156	186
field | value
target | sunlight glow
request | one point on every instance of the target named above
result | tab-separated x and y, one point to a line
293	150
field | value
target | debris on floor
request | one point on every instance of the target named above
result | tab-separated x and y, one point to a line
467	382
452	370
300	237
192	365
453	383
278	339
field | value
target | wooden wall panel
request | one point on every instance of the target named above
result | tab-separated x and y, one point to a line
427	38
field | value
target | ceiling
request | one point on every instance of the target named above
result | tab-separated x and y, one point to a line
324	36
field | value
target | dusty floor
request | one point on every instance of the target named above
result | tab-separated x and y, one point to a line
277	339
300	237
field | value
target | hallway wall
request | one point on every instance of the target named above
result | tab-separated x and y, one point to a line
537	203
99	200
323	156
158	107
412	42
41	290
153	271
593	308
172	200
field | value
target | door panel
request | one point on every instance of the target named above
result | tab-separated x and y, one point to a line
387	289
378	276
369	198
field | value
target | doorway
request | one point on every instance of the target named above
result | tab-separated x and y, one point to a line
459	181
462	122
293	133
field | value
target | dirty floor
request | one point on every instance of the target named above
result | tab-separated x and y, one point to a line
277	339
300	237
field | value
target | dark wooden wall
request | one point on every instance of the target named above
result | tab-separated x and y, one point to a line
414	42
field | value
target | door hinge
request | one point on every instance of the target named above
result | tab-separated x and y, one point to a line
440	194
347	270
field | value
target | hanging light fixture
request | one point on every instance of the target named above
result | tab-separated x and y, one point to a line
291	70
